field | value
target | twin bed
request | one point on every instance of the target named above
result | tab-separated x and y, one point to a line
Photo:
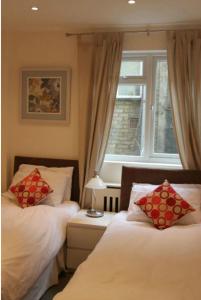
33	238
133	260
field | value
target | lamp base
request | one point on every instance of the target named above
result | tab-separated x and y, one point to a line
94	213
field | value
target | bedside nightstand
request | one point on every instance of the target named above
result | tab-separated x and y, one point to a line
83	233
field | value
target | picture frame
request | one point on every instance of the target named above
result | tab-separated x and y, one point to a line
45	95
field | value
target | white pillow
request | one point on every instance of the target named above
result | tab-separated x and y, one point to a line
68	171
59	179
134	211
190	192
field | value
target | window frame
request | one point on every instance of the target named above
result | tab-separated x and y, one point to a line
148	79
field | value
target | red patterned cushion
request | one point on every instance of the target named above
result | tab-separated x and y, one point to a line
164	206
31	190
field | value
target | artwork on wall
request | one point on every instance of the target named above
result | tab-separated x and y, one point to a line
45	94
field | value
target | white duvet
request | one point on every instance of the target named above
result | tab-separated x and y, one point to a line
31	237
135	261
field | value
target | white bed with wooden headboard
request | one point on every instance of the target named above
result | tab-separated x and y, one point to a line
33	237
135	261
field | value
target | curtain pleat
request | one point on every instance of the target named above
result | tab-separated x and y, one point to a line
99	65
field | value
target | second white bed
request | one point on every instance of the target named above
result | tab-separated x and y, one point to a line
134	260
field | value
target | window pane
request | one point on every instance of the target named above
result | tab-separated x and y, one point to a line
131	68
164	140
132	91
127	126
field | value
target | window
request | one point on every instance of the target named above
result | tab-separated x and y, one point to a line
142	129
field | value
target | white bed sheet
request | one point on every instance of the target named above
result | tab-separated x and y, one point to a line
135	261
31	238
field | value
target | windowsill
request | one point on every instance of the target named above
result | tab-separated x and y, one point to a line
111	170
113	185
139	164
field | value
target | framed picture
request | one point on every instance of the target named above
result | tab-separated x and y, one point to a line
45	94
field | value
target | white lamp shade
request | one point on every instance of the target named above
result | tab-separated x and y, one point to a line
96	183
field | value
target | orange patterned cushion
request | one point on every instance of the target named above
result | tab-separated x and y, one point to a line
31	190
164	206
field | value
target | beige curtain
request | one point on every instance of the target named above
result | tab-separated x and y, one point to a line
99	62
184	64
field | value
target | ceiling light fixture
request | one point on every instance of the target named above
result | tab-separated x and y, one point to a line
131	1
34	8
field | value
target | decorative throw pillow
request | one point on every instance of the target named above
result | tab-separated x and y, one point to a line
60	180
31	190
48	174
164	206
189	192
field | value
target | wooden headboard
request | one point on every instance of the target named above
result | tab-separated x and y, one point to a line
152	176
53	162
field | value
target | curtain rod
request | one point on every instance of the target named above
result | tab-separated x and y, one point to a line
148	31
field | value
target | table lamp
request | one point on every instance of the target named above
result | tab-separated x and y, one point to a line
95	183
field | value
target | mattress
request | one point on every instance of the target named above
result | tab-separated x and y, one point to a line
134	260
31	238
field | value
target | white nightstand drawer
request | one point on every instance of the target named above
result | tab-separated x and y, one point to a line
76	257
83	233
83	238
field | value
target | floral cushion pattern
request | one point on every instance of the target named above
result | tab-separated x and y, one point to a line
31	190
164	206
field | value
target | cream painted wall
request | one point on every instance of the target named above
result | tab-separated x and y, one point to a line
142	41
35	50
4	114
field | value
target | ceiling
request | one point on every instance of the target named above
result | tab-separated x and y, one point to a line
97	14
